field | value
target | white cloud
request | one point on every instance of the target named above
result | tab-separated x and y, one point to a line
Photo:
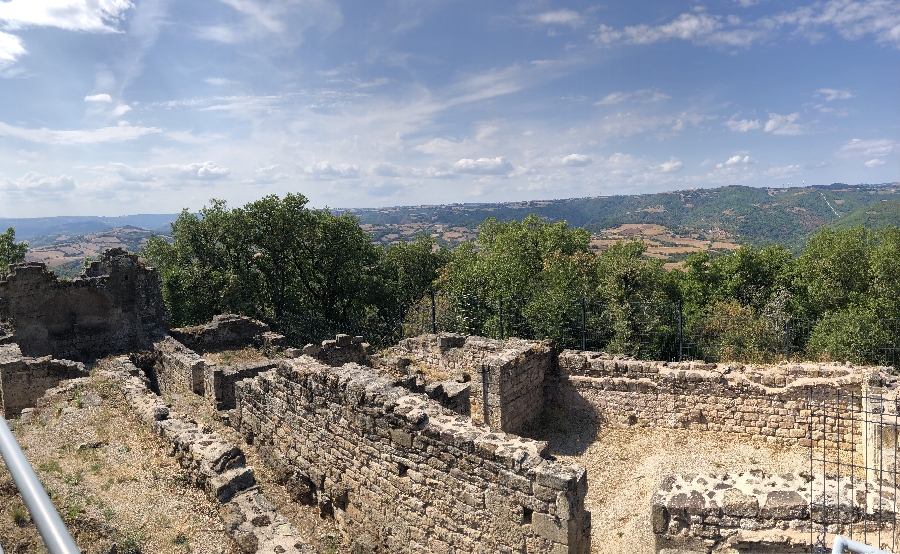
686	26
98	98
100	16
875	162
325	170
606	35
287	19
851	19
10	48
646	95
736	160
877	148
783	124
483	166
559	17
118	133
121	110
437	146
782	172
206	171
671	166
576	160
743	125
131	174
33	183
834	94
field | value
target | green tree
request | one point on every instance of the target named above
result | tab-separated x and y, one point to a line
10	251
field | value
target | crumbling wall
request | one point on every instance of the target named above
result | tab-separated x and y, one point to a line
768	402
226	332
220	381
24	379
214	465
397	468
760	512
506	377
344	349
176	368
115	307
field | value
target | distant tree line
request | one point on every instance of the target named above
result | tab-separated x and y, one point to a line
311	272
299	269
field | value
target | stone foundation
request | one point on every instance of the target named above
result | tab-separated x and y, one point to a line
398	469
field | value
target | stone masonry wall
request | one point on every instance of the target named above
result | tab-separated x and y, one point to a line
214	465
24	379
176	368
761	513
115	307
506	377
220	381
767	402
227	331
344	349
396	468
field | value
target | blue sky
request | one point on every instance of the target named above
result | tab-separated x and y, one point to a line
112	107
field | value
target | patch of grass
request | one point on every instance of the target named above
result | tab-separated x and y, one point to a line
74	478
108	514
95	468
131	542
73	510
19	516
79	399
50	467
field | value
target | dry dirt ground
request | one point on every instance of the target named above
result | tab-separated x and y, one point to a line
625	465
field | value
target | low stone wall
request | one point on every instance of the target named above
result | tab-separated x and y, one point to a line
396	469
220	381
215	465
114	308
760	512
766	402
344	349
226	332
506	377
176	368
24	379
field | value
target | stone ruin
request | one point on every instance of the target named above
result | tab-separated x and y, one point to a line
421	447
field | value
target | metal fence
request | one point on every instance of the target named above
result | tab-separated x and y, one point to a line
853	471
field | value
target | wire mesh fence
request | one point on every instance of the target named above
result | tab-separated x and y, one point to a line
853	473
658	330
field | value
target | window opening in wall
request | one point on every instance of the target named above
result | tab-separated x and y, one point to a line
401	470
526	515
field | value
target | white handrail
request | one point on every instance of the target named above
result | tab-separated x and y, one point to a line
841	544
43	513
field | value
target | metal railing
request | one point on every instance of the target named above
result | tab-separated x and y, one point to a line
51	527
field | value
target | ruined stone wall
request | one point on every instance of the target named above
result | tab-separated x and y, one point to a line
344	349
116	307
220	381
765	402
762	513
175	367
24	379
226	332
399	469
506	377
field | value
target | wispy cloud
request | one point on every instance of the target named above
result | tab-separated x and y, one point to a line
783	124
483	166
742	125
834	94
11	49
98	98
118	133
99	16
558	17
876	150
645	95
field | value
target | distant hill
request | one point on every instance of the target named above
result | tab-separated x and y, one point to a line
741	214
874	216
33	227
